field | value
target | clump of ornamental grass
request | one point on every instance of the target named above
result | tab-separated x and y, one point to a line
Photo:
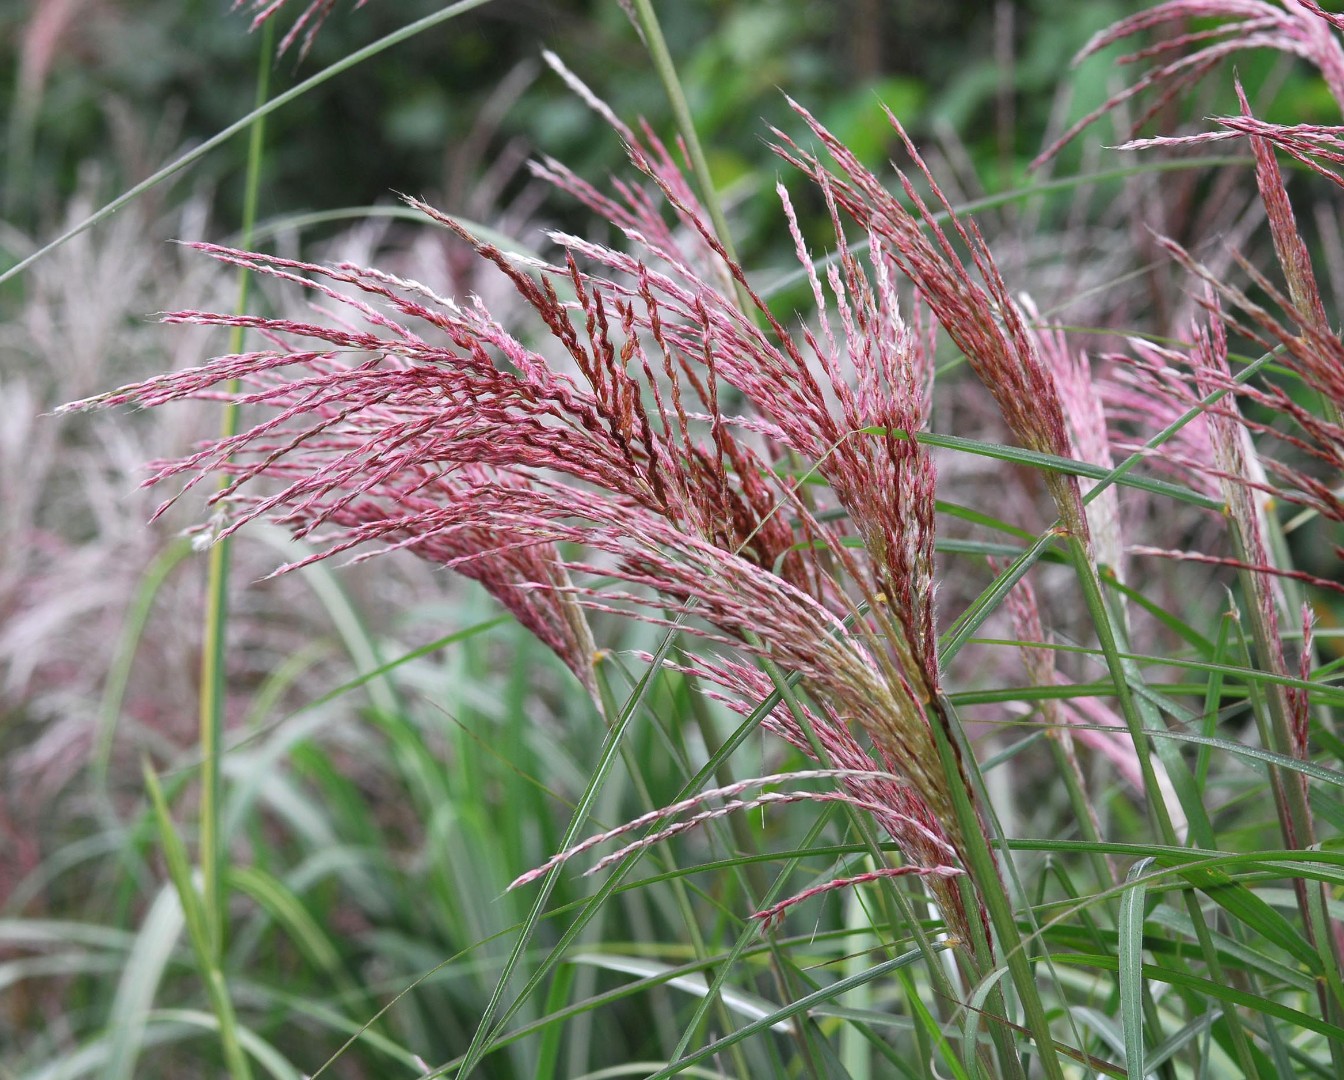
665	446
452	437
605	456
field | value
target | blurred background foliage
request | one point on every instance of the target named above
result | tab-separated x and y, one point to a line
451	115
126	82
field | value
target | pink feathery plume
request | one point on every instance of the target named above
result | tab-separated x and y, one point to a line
895	803
765	615
637	212
1149	389
1291	249
881	475
1089	437
1317	146
527	577
983	320
906	817
731	803
1288	718
1232	447
862	443
1297	27
422	423
1144	392
1333	18
1309	347
771	915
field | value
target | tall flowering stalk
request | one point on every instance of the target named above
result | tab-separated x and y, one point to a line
981	317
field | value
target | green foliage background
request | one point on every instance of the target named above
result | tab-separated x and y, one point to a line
130	80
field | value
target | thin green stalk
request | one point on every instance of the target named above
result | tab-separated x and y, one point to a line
1290	798
548	1050
855	1054
996	837
1078	801
652	32
213	651
749	934
198	930
943	987
989	886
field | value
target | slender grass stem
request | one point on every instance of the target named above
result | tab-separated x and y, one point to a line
652	32
198	931
214	659
989	887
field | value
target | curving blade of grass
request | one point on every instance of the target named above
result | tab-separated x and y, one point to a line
245	123
266	1055
141	976
194	915
118	676
1130	961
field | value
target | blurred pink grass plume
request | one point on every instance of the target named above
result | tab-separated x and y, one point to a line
1180	60
305	26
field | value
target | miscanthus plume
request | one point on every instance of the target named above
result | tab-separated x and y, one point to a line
637	431
604	451
653	440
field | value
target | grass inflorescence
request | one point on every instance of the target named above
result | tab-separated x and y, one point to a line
925	684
